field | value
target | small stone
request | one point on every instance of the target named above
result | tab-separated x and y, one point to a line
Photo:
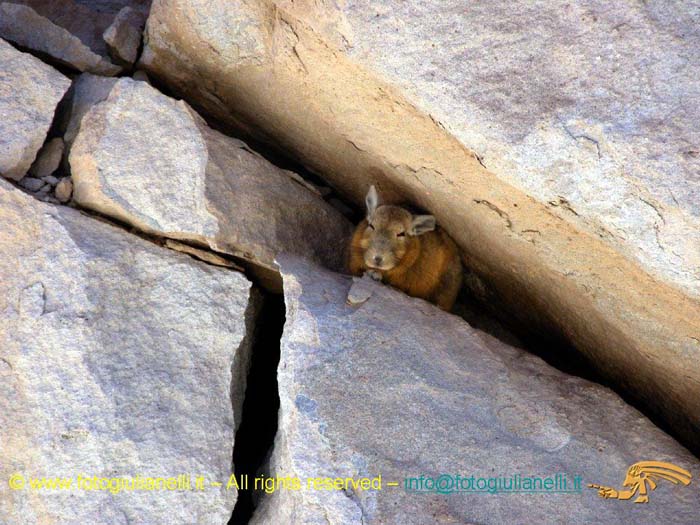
204	255
48	159
64	190
361	290
31	184
45	188
50	179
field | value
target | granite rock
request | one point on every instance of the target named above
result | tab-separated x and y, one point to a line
29	93
195	183
118	359
398	388
26	27
549	141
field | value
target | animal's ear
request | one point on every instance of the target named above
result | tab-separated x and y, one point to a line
372	201
422	224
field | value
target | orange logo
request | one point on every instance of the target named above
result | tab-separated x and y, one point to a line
643	477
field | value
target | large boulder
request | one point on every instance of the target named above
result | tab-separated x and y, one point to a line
392	386
118	359
29	93
151	161
584	225
61	30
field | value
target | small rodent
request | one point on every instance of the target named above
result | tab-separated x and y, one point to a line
406	251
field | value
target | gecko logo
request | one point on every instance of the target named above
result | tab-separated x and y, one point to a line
643	477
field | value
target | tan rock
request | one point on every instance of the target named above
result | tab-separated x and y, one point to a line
64	190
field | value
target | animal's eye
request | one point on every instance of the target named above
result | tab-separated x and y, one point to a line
371	226
401	234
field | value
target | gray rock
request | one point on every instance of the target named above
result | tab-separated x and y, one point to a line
562	210
49	159
191	182
86	20
118	359
123	37
31	184
86	91
50	179
64	190
29	93
396	387
24	26
361	290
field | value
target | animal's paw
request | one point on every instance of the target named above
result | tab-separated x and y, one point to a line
374	274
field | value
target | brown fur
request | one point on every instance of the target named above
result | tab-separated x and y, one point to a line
426	265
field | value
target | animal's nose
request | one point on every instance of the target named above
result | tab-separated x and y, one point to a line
377	259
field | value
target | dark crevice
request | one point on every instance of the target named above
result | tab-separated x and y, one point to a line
490	315
64	68
256	434
487	311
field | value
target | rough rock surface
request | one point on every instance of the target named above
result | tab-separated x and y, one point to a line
395	387
29	93
591	105
86	91
123	37
118	358
194	183
618	280
26	27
